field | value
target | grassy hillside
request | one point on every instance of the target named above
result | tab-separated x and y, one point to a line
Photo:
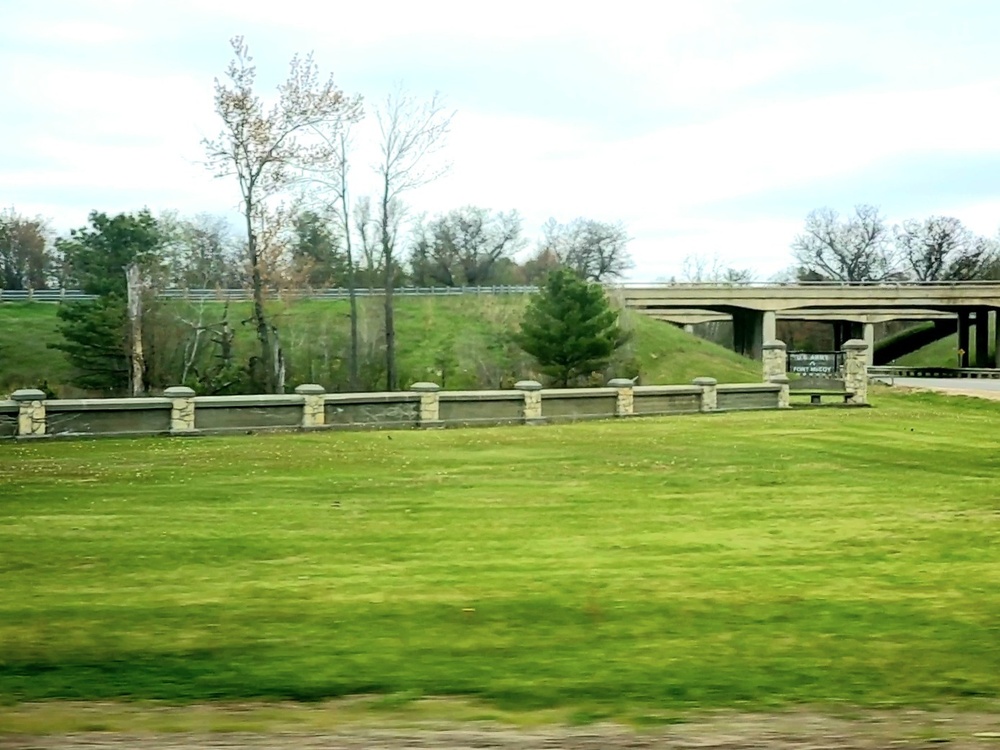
617	569
943	353
463	342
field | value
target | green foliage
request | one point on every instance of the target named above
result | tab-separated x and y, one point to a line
745	560
570	328
316	251
94	331
94	336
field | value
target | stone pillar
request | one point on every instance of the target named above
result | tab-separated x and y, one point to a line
181	409
963	338
769	330
856	371
313	404
689	328
624	407
868	334
784	397
709	393
31	412
532	390
775	360
430	403
982	337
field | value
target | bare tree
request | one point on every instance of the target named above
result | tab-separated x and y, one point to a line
855	249
941	248
266	148
464	246
411	132
595	250
711	270
365	226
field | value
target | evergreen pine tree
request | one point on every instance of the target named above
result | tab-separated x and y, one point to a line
570	328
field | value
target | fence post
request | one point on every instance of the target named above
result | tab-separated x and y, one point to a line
856	371
625	405
430	404
30	413
181	409
532	391
313	404
775	356
709	393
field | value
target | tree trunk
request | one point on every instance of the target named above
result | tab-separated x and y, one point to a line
137	385
390	322
265	375
352	293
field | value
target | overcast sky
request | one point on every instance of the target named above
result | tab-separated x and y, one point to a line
708	128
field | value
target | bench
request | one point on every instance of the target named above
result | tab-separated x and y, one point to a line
816	396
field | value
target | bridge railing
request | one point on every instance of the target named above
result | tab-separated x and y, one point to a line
889	373
199	295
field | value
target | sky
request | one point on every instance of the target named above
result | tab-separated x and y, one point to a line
709	128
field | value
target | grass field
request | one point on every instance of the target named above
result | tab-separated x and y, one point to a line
623	569
468	333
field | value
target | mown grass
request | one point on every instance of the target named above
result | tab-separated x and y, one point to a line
753	560
463	342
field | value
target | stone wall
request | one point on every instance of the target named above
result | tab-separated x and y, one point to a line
180	412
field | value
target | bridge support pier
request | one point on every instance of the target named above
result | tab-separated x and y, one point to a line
982	337
748	332
963	338
844	331
996	338
868	329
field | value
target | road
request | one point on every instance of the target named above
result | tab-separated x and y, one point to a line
982	387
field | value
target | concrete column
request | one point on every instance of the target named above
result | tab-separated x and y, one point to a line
775	359
748	332
856	371
532	390
689	328
982	337
996	338
769	326
709	393
181	409
313	404
430	403
31	412
963	338
625	405
868	335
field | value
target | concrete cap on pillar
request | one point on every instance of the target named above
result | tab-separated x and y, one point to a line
28	394
705	381
855	344
779	379
425	387
179	391
528	385
775	344
621	382
310	389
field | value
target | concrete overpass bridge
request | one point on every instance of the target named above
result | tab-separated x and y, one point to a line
853	308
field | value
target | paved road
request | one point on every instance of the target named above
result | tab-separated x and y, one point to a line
984	388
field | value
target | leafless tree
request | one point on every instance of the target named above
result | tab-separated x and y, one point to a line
365	226
940	248
596	250
411	132
266	148
858	248
711	270
464	246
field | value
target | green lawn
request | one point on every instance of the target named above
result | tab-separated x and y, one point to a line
613	568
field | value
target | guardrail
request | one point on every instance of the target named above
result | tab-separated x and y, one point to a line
202	295
890	373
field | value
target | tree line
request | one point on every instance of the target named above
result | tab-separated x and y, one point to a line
290	164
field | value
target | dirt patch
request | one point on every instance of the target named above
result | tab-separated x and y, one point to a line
729	731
